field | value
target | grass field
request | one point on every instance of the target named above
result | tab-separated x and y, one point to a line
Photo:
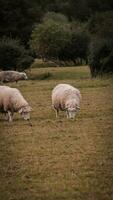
59	159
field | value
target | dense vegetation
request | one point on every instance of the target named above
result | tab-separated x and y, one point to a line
69	31
13	55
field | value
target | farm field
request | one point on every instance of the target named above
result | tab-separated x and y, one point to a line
59	159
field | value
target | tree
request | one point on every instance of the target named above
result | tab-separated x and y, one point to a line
77	48
13	55
101	57
48	38
99	6
56	17
101	48
101	25
17	18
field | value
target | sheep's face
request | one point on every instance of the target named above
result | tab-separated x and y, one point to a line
25	115
71	112
71	109
25	112
24	76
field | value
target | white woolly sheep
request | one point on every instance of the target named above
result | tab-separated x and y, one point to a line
11	100
12	76
66	98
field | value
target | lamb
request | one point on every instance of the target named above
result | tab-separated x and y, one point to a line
66	98
12	76
11	100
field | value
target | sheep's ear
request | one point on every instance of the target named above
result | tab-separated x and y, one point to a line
20	111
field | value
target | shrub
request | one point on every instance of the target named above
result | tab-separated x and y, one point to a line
77	48
101	57
101	25
13	55
56	17
48	38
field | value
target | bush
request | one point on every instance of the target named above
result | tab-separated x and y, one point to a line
48	38
56	17
101	25
77	48
13	55
101	57
24	62
58	40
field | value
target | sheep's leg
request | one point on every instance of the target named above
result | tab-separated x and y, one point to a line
10	116
57	112
12	113
6	117
67	114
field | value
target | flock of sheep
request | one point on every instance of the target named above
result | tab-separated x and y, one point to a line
64	97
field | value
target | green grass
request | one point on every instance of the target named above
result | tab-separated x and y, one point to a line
59	159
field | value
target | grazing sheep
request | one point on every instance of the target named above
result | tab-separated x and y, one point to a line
66	98
11	100
12	76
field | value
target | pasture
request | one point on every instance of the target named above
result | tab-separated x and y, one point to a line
59	159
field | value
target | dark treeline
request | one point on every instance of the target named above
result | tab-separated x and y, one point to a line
18	17
80	31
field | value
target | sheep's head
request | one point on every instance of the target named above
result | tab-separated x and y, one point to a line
24	75
71	108
25	112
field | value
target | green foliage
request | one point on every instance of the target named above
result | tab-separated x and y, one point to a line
57	39
17	18
49	38
101	48
59	29
101	25
39	63
13	56
25	61
79	10
57	17
77	47
99	6
101	57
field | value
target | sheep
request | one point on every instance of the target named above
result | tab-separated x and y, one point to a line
11	100
12	76
66	98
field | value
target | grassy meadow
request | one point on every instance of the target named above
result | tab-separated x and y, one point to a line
59	159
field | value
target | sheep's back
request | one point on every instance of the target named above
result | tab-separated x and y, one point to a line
4	96
62	92
11	76
11	98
